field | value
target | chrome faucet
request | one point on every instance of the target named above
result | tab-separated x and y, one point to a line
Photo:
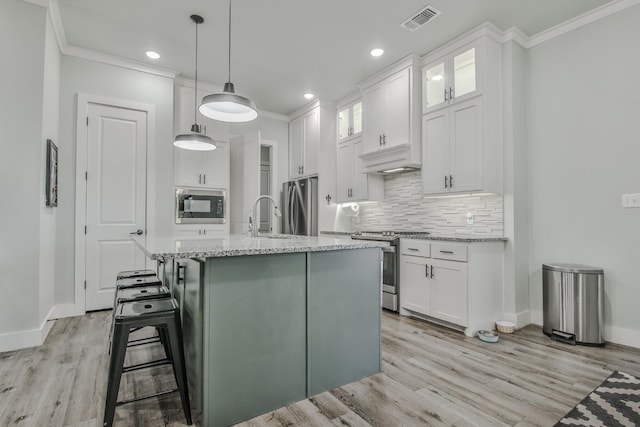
255	225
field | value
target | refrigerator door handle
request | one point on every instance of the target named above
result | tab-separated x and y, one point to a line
290	208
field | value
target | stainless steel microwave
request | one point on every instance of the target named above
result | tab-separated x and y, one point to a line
200	206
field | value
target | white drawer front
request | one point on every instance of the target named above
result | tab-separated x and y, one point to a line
415	247
450	251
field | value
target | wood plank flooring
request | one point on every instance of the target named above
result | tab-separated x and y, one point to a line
431	376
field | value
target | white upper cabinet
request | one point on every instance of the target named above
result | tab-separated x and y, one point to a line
452	150
387	112
461	126
205	169
391	117
304	141
353	185
452	78
350	121
202	169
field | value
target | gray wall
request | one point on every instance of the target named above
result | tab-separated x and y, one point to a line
79	75
584	129
24	221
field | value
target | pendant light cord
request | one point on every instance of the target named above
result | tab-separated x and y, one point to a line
229	79
195	95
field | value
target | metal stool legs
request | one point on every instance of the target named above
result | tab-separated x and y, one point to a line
164	315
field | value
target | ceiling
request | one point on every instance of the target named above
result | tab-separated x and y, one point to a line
284	48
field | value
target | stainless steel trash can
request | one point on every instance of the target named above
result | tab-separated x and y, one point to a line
573	303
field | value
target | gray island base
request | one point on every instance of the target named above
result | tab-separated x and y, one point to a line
277	327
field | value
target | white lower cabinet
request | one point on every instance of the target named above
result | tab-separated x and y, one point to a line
456	284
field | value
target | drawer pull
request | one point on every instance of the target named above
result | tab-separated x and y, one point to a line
447	252
413	249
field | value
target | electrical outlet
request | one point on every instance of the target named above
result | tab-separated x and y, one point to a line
469	218
631	200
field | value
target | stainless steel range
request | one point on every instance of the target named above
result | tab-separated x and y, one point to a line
390	270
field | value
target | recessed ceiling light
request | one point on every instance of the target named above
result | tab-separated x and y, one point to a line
377	52
153	55
309	95
437	77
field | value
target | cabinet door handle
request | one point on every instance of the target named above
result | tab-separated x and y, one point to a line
447	252
446	182
204	178
445	96
380	140
200	178
426	268
432	271
204	231
302	169
178	277
384	139
450	181
450	93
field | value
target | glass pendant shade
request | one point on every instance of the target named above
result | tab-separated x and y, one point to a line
194	140
228	107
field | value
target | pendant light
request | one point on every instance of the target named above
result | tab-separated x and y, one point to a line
195	140
228	106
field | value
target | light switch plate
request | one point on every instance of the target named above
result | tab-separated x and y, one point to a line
631	200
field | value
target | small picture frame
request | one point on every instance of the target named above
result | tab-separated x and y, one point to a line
51	187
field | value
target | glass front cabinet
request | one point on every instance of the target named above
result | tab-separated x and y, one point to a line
350	121
452	78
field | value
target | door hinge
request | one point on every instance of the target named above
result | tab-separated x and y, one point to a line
87	120
85	284
85	229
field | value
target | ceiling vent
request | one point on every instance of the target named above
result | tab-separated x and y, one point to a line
420	18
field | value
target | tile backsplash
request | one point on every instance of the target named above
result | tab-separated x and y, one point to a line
404	209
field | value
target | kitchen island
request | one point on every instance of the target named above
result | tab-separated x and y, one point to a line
269	321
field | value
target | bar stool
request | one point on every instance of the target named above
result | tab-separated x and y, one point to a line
141	293
162	313
135	273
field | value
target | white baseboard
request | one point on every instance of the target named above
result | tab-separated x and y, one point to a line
24	339
622	336
613	334
65	310
536	317
521	319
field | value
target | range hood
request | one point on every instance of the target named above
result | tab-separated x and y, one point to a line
398	158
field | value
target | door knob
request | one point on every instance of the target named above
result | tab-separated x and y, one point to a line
139	232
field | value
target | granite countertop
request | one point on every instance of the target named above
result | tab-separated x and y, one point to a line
164	248
424	235
458	238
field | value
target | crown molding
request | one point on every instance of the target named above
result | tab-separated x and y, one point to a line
275	116
581	20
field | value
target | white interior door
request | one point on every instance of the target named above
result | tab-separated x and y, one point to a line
116	198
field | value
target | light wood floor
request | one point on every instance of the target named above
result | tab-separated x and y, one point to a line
431	376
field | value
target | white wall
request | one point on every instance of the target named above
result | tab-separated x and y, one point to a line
50	118
584	148
273	129
22	40
515	184
94	78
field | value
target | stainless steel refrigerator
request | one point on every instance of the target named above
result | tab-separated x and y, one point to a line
300	207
